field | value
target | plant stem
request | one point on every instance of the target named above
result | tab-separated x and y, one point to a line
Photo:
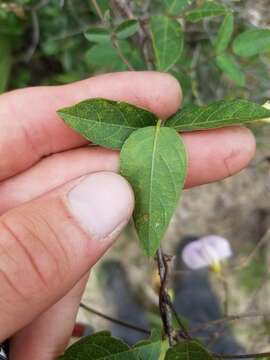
164	307
184	333
114	320
115	42
143	39
248	356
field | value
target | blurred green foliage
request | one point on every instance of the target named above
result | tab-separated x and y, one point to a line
252	276
43	42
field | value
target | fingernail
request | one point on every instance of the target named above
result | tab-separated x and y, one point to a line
101	203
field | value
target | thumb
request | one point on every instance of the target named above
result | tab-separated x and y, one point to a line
48	244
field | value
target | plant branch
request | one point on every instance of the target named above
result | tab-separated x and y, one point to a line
143	39
120	52
36	28
115	42
264	239
184	333
40	4
123	8
98	10
164	305
226	290
230	318
247	356
114	320
35	36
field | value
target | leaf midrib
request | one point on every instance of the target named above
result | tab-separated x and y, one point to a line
221	122
165	37
151	178
98	122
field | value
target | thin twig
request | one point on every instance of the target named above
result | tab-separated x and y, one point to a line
226	290
35	37
184	333
164	307
123	8
36	28
143	39
98	10
116	321
247	356
265	238
41	4
120	52
66	35
115	42
230	318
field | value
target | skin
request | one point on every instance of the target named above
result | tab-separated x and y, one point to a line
42	159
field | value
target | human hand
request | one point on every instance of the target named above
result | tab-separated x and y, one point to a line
62	205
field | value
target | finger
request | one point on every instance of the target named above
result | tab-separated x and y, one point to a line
47	336
54	171
216	154
213	155
47	245
30	126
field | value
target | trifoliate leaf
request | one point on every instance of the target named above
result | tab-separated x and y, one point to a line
105	122
208	9
154	162
168	41
102	346
224	34
216	115
252	42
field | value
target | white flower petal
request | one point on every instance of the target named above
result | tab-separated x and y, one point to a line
206	251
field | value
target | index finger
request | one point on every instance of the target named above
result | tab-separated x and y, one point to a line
31	129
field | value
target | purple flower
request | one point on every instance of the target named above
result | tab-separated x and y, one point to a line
207	251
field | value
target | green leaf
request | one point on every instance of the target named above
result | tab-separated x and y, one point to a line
5	63
175	7
184	80
168	41
147	350
154	162
103	346
97	35
97	346
228	64
105	122
208	9
216	115
252	42
224	34
105	55
103	4
188	350
126	29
